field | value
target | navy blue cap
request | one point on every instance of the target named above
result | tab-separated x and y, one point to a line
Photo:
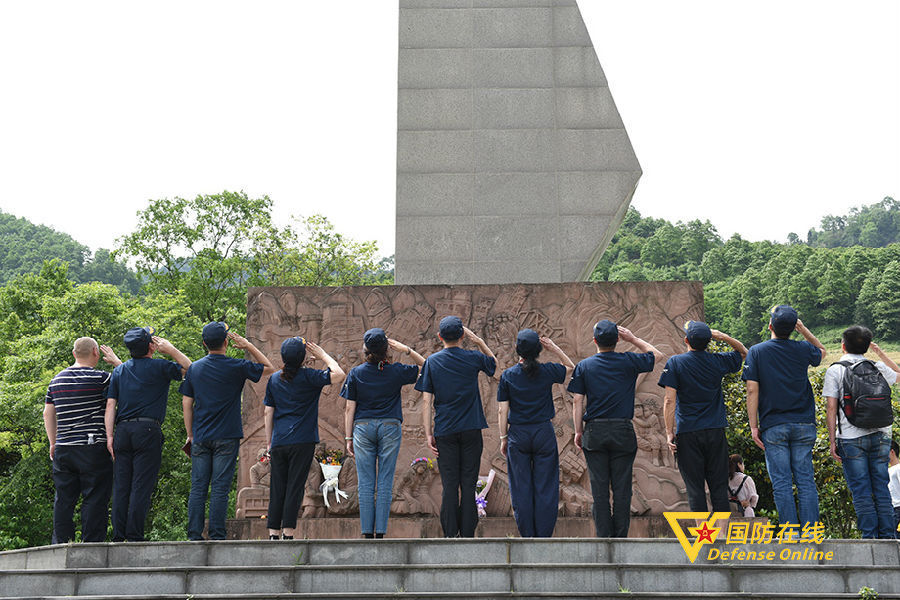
137	339
451	328
784	319
697	332
606	333
375	339
528	343
293	350
215	333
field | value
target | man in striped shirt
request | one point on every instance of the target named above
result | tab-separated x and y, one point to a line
82	466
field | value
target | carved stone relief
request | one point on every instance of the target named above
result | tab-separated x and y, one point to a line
336	318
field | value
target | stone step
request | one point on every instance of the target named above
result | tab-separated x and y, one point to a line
488	579
513	551
477	596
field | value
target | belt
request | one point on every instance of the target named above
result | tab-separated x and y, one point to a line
608	421
140	419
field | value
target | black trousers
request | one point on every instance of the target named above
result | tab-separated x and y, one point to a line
610	446
459	458
703	461
85	471
290	468
138	448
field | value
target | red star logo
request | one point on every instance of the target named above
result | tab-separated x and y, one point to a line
705	533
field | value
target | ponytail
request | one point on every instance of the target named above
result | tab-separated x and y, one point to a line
290	371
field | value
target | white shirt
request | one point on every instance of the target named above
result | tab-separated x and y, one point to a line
833	388
747	492
894	484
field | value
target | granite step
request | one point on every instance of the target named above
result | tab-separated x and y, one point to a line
515	551
489	579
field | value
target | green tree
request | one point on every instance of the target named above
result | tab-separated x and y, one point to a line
202	247
317	256
886	309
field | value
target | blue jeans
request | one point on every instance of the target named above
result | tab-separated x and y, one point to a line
375	442
212	465
865	463
789	462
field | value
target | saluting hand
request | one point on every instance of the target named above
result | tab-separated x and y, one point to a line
109	356
315	350
237	340
397	346
163	345
626	334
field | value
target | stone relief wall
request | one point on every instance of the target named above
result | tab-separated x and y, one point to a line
336	318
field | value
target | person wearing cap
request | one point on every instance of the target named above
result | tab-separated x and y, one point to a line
863	452
695	403
211	400
135	407
82	466
372	419
449	383
292	429
782	412
527	436
602	408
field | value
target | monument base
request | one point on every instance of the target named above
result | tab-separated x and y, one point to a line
651	526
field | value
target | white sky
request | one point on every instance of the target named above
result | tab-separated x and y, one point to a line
760	116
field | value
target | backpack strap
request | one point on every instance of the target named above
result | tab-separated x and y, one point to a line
734	493
846	364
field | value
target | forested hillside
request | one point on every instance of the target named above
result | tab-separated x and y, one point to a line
25	246
830	282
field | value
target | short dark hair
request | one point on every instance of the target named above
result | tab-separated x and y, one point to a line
698	344
857	339
895	447
212	346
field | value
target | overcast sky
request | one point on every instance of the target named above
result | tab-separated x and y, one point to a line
761	117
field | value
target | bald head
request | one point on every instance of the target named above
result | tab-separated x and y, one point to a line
86	351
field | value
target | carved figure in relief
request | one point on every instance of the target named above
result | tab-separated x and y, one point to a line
260	472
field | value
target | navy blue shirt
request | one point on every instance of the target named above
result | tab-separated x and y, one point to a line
377	391
781	368
530	398
296	403
452	376
141	387
697	379
215	382
608	380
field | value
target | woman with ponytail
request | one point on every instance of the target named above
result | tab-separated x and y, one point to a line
292	429
372	419
527	437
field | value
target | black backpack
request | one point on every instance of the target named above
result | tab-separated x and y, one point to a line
866	395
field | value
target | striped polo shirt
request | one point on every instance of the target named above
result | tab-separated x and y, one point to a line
79	395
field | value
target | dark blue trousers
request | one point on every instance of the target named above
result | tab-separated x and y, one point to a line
138	448
533	460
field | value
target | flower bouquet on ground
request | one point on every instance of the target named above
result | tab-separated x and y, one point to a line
330	462
482	487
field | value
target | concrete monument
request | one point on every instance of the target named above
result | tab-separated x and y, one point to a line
336	318
513	164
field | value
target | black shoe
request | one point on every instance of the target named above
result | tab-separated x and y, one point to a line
379	536
274	537
369	536
287	537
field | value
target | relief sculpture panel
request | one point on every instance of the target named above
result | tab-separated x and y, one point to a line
336	319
